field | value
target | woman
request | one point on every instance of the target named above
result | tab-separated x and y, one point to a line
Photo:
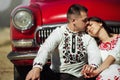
109	45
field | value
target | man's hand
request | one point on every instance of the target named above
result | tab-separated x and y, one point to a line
33	74
87	71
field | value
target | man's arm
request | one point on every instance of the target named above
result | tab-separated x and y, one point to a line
94	57
49	45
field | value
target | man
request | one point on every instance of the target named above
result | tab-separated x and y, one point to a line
75	49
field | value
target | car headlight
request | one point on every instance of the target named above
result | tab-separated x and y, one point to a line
22	19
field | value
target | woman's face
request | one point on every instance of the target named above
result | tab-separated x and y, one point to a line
93	28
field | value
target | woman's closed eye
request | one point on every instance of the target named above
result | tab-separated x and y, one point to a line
89	25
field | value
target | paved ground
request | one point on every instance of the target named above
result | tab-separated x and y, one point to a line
6	67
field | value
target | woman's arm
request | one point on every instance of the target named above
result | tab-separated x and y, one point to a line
108	61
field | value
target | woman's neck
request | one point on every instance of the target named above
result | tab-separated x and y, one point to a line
103	35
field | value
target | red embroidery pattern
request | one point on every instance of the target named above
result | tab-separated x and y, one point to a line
99	77
116	78
109	45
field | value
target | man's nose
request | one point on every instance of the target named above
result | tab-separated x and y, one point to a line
87	23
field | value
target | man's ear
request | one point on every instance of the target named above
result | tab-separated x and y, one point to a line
73	20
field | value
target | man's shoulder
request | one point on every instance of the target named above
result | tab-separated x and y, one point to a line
61	28
86	35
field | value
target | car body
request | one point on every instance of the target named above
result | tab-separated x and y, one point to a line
32	23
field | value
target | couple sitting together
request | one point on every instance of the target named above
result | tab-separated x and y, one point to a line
83	49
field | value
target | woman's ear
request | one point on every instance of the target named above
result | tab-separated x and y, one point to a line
100	24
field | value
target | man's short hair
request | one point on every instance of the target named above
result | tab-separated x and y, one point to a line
75	9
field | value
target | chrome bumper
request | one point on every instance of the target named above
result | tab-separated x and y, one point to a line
21	55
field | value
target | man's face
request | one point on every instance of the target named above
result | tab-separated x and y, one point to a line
80	21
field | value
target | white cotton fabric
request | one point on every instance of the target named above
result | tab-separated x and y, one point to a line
113	71
71	62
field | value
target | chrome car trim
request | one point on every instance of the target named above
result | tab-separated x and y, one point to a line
22	9
23	43
45	30
21	55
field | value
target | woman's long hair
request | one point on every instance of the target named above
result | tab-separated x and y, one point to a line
107	28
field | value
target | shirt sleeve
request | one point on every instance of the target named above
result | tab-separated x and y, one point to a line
94	57
48	46
115	52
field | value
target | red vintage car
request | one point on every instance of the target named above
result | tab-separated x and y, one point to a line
31	24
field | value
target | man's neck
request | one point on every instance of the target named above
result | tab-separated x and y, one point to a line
72	28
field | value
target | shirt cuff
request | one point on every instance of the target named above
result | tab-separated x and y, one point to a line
95	66
38	65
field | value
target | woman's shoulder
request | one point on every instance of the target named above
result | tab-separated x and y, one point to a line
116	38
112	44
